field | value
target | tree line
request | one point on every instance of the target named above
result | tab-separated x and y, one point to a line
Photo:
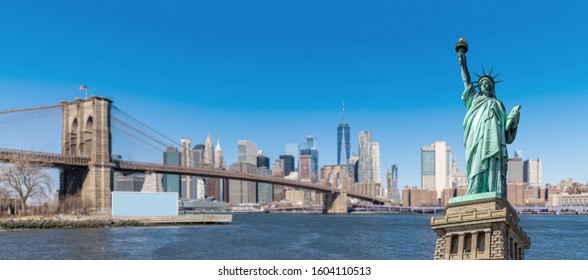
26	189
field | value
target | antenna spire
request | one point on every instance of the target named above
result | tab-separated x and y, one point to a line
343	111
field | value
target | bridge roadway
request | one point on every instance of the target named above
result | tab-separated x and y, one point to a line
57	160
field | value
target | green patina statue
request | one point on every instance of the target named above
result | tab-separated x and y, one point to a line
487	130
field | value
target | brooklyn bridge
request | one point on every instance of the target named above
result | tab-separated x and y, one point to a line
86	163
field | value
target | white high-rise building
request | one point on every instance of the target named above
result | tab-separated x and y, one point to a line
436	167
365	168
247	152
376	163
533	172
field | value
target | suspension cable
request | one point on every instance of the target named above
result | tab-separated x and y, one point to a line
139	131
138	139
146	126
29	109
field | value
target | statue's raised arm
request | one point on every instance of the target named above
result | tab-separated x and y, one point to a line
461	48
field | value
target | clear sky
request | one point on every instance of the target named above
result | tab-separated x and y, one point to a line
273	72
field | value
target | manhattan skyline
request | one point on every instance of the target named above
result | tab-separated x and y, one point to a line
276	72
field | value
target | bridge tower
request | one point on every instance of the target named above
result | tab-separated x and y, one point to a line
335	177
86	132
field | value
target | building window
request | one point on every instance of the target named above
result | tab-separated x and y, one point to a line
428	163
467	248
481	242
454	240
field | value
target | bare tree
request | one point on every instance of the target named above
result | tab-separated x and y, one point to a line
25	181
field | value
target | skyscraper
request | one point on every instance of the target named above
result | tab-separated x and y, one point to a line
376	162
198	154
278	171
343	141
187	160
514	169
314	158
310	141
262	161
198	188
242	191
365	162
393	184
305	165
533	172
353	168
208	160
436	167
247	152
289	164
171	182
219	159
278	168
265	192
215	187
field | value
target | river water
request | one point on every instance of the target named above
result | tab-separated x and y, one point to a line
284	236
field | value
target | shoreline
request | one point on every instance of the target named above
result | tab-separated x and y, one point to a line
66	221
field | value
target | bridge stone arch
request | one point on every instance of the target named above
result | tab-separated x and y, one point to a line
86	133
72	144
334	177
87	136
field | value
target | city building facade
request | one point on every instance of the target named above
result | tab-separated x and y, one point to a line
242	191
376	163
436	167
129	183
247	152
208	160
186	161
305	165
415	197
514	169
314	157
533	172
289	162
365	161
293	150
172	182
392	177
219	158
262	161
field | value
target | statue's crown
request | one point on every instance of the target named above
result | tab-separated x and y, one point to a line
486	76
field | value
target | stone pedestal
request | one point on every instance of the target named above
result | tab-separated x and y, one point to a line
479	227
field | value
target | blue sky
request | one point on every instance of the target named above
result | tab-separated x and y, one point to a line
273	72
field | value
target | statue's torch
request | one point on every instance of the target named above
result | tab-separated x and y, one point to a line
461	45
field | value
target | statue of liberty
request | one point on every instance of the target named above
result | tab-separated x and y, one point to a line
487	130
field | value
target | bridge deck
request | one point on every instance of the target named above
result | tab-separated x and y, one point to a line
57	160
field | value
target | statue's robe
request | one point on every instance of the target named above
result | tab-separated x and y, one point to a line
486	134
